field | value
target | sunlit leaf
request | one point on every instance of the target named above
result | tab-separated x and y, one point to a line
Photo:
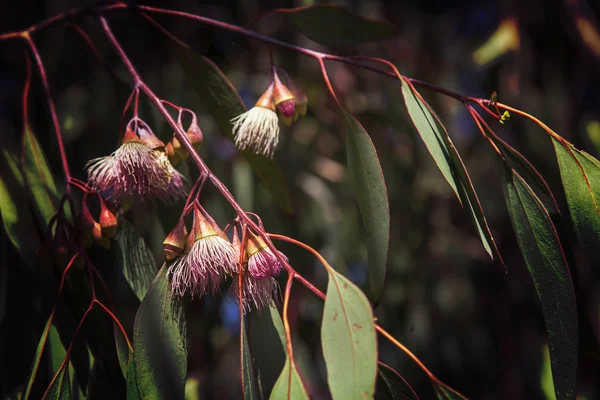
543	254
17	217
372	198
580	174
393	385
504	39
222	101
448	160
289	386
267	340
348	340
333	25
38	176
160	343
135	258
249	382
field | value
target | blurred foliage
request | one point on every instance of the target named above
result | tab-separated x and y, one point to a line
478	329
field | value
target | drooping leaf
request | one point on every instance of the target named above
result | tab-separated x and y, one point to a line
160	343
543	254
60	389
348	340
135	258
38	176
580	174
267	340
446	157
289	386
17	216
222	101
372	198
249	379
334	25
393	385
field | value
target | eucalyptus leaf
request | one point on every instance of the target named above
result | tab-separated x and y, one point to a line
545	259
160	343
335	26
446	157
372	198
348	339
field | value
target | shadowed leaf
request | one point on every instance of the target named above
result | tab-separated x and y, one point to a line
267	340
372	198
446	393
543	254
160	343
60	389
17	217
446	157
250	382
391	385
222	101
135	258
132	390
333	25
38	176
348	340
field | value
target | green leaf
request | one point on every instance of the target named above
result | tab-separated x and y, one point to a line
348	339
289	386
267	339
372	198
160	343
580	174
545	259
249	379
37	358
446	157
60	387
396	386
38	176
446	393
132	390
333	25
135	258
17	217
222	101
528	172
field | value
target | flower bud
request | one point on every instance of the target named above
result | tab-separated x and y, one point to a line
254	244
99	238
179	148
175	243
202	226
284	100
195	134
266	100
86	221
130	136
174	158
301	100
108	221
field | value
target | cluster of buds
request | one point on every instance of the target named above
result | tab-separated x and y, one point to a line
258	128
175	150
198	261
139	168
101	230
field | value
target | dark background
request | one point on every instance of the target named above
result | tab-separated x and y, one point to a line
478	329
